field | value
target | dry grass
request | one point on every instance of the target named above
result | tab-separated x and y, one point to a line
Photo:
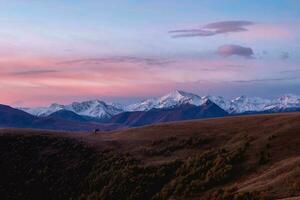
277	134
271	165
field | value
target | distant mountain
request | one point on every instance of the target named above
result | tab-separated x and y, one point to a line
43	111
60	120
287	101
236	105
174	106
177	113
94	108
245	104
67	115
169	100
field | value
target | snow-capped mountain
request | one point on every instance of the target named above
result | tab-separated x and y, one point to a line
43	111
242	104
236	105
248	104
94	108
176	98
287	101
219	100
171	99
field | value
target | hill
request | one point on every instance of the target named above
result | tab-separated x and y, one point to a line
67	115
246	157
10	117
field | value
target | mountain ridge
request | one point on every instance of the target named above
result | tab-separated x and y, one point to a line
238	105
69	120
177	113
60	120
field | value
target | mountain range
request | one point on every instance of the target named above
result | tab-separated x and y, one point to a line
103	111
175	106
60	120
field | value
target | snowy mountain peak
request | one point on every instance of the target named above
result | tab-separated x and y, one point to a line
242	98
286	101
236	105
56	106
169	100
289	98
178	97
93	108
178	94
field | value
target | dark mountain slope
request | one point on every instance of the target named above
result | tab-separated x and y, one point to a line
183	112
67	115
10	117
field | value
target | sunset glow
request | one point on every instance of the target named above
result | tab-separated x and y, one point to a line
61	51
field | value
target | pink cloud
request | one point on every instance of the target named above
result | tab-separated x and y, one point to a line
267	32
41	81
231	50
216	28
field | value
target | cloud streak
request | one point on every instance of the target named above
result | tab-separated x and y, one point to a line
33	72
119	59
212	29
266	80
235	50
291	71
284	56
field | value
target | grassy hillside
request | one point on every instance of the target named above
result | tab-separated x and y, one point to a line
250	157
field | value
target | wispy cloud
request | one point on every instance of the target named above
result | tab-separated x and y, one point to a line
33	72
212	29
291	71
266	80
231	50
284	55
119	59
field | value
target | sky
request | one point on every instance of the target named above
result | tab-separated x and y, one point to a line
122	51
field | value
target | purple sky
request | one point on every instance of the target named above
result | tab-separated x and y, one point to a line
62	51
